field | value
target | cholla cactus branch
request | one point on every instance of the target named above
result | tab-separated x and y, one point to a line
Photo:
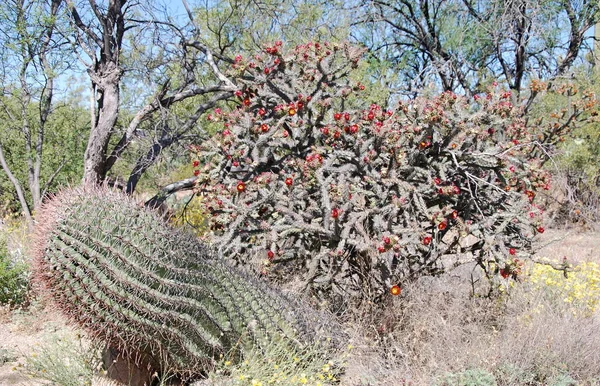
308	179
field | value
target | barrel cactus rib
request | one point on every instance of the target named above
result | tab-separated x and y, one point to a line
171	290
136	311
182	324
210	278
216	286
268	320
120	271
115	326
178	343
100	305
265	315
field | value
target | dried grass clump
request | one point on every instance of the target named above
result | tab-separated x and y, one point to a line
437	333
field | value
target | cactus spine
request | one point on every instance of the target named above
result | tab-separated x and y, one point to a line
123	274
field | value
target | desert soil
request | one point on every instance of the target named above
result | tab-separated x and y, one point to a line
22	332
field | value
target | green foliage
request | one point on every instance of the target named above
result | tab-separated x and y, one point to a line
576	158
473	377
582	152
64	145
504	376
457	46
66	138
512	374
245	25
33	58
14	277
563	380
279	365
190	212
63	360
7	356
130	279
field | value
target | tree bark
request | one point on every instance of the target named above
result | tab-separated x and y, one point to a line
108	99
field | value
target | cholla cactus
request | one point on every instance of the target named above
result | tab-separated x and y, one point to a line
303	179
120	272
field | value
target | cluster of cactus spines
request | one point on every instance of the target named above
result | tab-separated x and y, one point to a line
123	274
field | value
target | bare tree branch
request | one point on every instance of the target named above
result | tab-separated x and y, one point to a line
160	197
17	185
52	177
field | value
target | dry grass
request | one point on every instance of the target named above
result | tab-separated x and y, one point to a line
576	245
574	200
437	333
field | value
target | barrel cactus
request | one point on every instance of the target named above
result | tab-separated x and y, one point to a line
121	272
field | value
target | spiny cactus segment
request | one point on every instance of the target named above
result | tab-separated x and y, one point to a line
123	274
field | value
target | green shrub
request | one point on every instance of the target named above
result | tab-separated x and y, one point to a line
473	377
64	360
190	213
6	356
563	380
14	277
576	162
276	364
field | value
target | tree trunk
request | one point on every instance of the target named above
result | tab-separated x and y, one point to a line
18	187
107	112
